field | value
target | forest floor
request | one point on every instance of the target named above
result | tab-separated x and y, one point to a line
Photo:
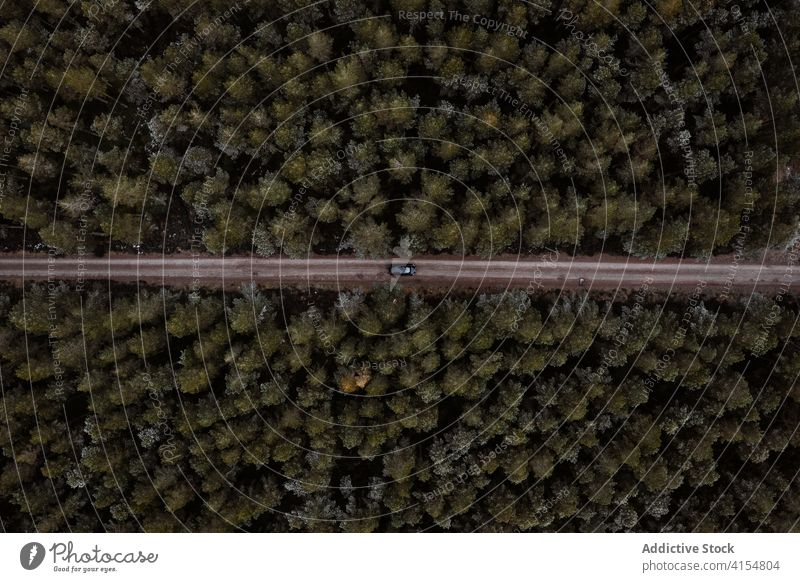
723	274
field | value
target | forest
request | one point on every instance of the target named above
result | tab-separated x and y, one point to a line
354	128
389	411
467	126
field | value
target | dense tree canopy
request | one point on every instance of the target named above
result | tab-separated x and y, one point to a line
378	128
387	411
348	124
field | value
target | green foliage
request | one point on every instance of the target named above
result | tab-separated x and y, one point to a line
502	412
377	128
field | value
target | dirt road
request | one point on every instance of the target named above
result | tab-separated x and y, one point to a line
602	272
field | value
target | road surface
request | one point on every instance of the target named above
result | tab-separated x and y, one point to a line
723	274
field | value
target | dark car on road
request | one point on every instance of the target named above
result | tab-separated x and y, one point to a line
403	270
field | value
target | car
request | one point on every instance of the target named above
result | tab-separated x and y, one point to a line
403	270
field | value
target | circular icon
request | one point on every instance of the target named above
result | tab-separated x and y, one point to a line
31	555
